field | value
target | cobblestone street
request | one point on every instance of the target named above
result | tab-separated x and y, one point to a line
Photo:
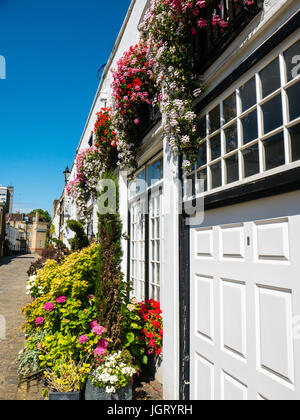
13	279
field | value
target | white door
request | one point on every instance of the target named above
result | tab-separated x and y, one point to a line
245	311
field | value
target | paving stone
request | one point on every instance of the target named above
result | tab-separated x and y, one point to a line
13	297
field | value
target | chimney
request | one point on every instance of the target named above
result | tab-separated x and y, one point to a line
37	217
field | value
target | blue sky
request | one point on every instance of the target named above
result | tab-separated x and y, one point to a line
53	50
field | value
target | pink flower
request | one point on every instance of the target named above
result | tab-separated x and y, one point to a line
103	343
94	324
39	321
99	351
98	330
136	121
90	297
48	307
61	299
83	339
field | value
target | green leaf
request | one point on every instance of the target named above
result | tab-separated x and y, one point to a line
145	360
130	337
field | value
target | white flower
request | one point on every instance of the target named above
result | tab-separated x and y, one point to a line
110	390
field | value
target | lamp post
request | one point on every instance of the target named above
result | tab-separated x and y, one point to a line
67	174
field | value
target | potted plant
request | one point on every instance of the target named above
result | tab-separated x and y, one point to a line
112	379
67	380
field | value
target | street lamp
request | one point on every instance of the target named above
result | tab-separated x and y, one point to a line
67	174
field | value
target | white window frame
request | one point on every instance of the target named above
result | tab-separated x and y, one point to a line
138	244
254	72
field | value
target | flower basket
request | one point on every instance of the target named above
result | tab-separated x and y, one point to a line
65	396
94	393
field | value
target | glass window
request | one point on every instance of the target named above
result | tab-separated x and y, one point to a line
251	161
229	108
270	78
155	172
214	119
274	151
202	155
250	127
292	62
272	114
141	186
248	94
215	147
294	101
201	124
216	175
295	142
231	136
232	168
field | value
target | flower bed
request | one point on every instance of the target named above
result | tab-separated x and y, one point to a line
67	344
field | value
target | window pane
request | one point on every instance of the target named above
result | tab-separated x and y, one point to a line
215	146
251	161
294	101
216	175
202	176
202	155
295	142
248	94
291	61
201	124
231	137
232	168
155	172
270	78
274	151
250	127
140	187
229	108
214	119
272	112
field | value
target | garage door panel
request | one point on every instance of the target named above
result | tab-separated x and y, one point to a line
232	243
272	240
275	347
203	243
204	302
245	315
233	317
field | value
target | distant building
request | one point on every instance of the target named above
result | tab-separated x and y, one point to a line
31	235
2	227
7	197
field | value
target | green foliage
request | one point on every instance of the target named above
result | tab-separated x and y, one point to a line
80	240
111	290
73	278
132	328
28	360
67	375
44	214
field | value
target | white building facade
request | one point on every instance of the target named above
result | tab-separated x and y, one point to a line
228	281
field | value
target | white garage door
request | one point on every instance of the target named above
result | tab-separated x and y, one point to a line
245	307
